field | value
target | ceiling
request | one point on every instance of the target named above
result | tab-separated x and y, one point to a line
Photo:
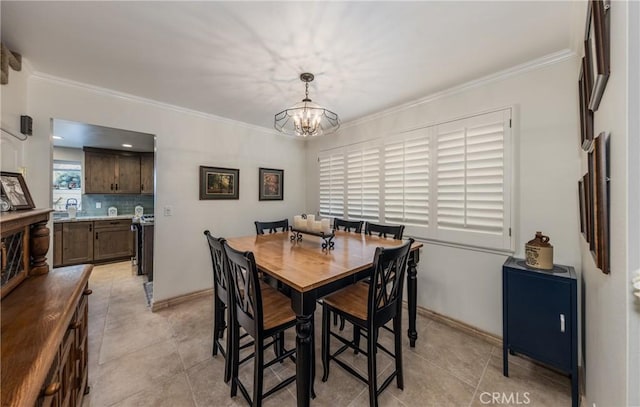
242	60
78	135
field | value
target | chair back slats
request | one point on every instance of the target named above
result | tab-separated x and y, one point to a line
393	231
218	260
347	225
385	288
245	288
272	227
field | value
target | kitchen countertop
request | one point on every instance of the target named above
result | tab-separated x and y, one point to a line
90	218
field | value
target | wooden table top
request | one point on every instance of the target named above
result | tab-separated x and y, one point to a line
303	265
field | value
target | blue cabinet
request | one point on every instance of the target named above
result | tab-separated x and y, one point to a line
540	318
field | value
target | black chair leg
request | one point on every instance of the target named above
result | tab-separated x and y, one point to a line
228	360
397	333
371	362
341	323
356	339
313	356
216	324
235	358
258	373
326	335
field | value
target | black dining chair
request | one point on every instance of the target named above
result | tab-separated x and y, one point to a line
393	231
263	312
222	312
348	225
369	307
271	227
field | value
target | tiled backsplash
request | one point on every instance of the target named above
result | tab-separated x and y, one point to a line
124	203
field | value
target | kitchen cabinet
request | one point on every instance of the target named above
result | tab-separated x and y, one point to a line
57	245
113	239
540	317
146	173
111	172
77	242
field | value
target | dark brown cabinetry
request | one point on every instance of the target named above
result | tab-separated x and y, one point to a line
111	172
77	242
113	239
146	173
57	245
92	241
44	340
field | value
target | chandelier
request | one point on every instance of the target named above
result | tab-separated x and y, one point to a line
306	119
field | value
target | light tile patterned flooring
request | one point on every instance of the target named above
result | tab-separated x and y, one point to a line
140	358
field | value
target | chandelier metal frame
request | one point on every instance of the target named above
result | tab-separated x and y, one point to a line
305	118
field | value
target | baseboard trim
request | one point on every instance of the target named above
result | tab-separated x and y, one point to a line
462	326
169	302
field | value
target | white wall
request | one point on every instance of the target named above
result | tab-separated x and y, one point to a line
13	104
465	284
607	296
185	140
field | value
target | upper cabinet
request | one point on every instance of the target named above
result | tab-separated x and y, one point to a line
146	173
112	172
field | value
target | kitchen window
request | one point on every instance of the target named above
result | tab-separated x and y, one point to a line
67	184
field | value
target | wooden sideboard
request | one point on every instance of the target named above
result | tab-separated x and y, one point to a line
25	243
45	339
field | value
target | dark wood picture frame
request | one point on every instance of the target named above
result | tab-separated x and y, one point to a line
586	115
219	183
15	189
582	199
271	184
597	50
588	209
600	182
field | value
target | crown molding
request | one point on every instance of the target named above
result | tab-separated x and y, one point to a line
133	98
535	64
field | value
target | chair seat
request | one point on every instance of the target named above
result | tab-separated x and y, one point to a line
276	306
352	300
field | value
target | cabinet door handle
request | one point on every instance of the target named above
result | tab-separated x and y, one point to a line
562	327
142	187
90	226
96	235
116	187
112	187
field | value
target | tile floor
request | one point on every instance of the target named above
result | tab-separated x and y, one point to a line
140	358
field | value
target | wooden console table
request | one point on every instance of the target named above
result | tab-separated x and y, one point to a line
44	339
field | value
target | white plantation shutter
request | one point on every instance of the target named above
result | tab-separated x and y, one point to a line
449	182
332	184
472	182
363	183
406	181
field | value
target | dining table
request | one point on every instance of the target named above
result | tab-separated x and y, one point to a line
299	262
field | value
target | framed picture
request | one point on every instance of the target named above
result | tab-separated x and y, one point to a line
14	188
583	208
597	50
588	209
586	115
219	183
271	184
600	182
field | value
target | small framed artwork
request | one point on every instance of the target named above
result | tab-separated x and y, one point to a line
586	115
271	184
600	181
14	188
219	183
583	208
597	49
588	209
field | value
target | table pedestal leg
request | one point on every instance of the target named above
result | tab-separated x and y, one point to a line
412	291
304	330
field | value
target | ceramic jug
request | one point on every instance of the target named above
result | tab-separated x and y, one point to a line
539	253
